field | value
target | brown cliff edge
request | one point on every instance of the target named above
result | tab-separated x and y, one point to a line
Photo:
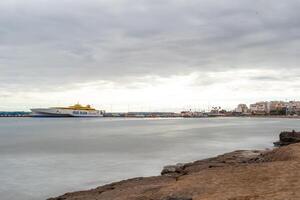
239	175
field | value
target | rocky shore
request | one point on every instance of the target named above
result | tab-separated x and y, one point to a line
239	175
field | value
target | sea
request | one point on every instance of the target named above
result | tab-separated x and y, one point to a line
47	157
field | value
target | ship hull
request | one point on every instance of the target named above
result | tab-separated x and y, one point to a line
57	112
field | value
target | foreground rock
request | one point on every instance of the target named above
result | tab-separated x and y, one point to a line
229	159
287	138
240	175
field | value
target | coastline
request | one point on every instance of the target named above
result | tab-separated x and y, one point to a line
227	116
238	175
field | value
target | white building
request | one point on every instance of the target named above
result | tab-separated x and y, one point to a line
294	107
260	108
242	108
271	107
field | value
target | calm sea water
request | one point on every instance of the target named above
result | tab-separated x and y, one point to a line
44	157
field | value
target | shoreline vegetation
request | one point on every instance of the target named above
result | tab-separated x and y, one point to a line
238	175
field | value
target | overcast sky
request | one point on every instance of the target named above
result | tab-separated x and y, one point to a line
148	54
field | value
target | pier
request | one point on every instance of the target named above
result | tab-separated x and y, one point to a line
14	114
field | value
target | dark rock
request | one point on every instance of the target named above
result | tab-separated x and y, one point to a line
286	138
173	169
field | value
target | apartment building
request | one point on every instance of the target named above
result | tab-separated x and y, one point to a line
260	108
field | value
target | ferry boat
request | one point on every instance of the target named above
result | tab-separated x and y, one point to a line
76	110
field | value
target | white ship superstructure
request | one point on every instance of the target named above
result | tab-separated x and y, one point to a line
72	111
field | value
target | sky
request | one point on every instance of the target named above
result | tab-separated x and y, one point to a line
148	55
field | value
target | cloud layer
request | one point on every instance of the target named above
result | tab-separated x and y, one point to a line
53	45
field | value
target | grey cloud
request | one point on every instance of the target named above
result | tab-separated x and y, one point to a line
62	42
266	78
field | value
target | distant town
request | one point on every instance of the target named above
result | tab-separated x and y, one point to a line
263	108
